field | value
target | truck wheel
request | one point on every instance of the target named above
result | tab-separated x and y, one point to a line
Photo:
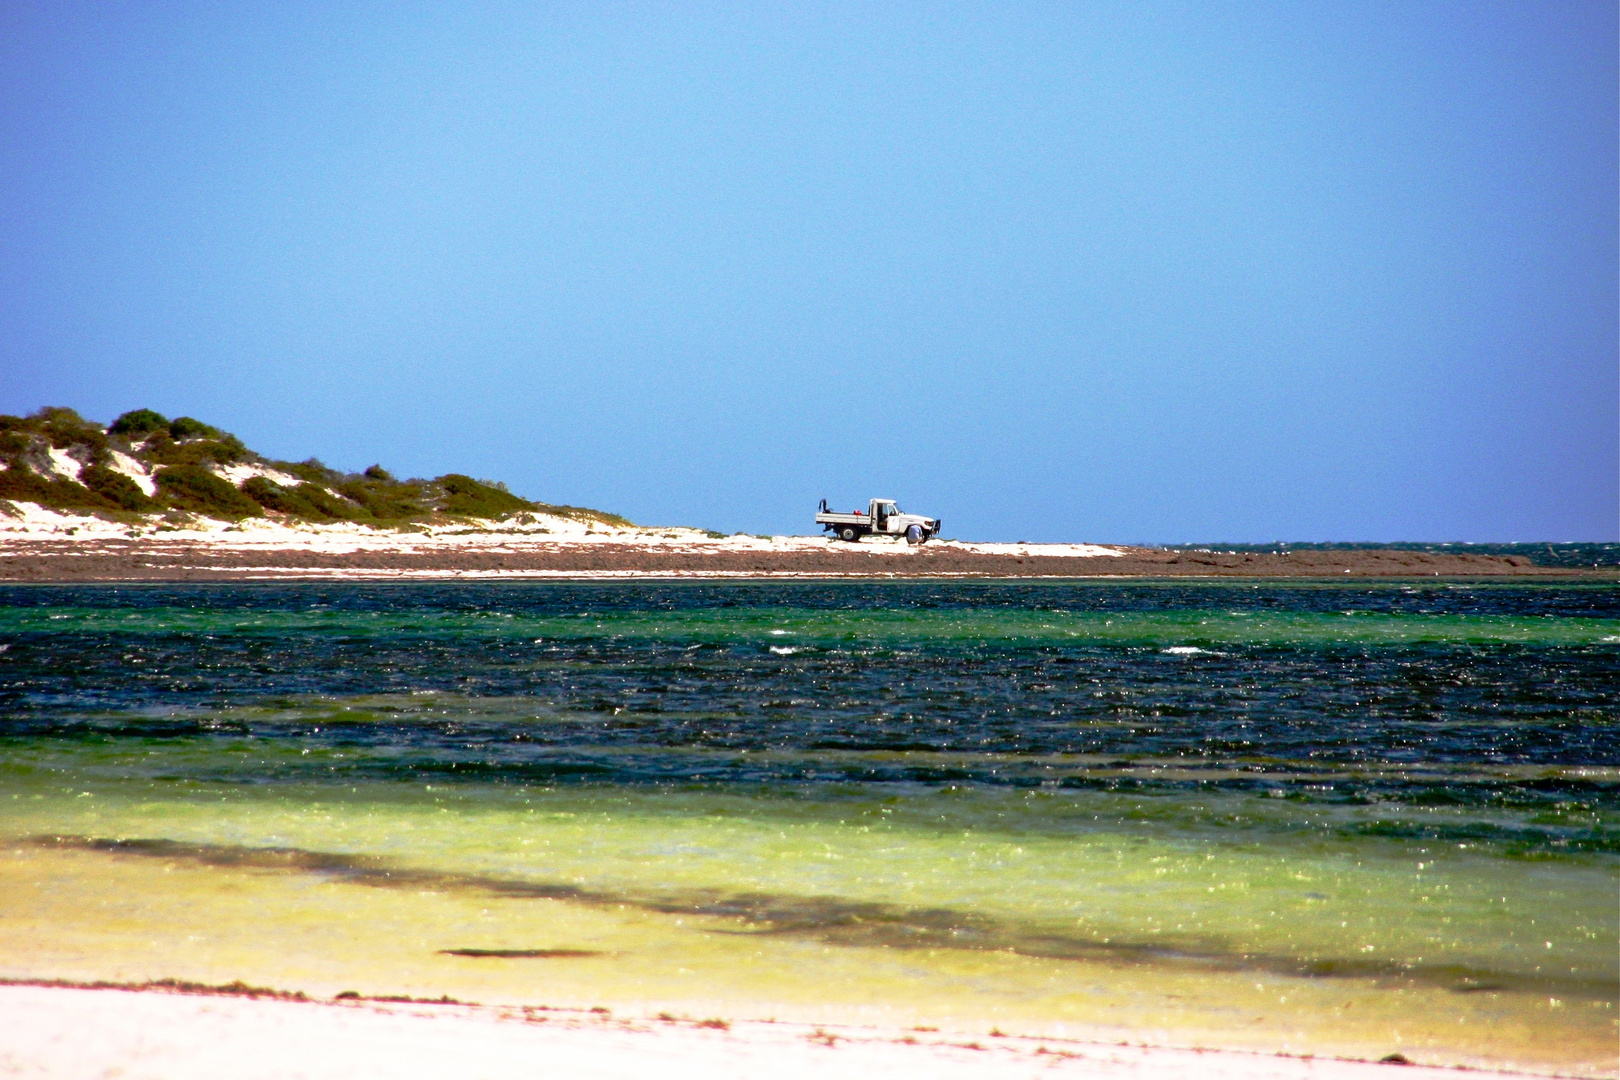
848	533
914	534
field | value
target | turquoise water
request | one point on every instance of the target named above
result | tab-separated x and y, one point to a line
1357	815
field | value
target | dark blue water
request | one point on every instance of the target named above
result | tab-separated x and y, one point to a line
1499	698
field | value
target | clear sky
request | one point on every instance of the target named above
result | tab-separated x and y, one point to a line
1115	272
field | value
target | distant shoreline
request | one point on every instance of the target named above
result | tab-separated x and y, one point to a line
41	545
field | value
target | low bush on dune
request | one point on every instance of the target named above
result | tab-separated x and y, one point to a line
55	427
25	446
184	427
138	422
12	443
467	497
65	429
164	449
194	488
306	501
25	485
116	488
272	496
329	504
372	497
387	500
182	441
311	471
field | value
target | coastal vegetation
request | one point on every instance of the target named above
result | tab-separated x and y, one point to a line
145	463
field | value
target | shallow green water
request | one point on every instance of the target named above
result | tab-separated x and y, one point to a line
1119	790
800	626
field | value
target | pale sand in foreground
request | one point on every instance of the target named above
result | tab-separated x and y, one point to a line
70	1032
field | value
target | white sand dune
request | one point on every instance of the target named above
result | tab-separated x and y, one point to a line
525	532
240	474
62	464
81	1033
135	469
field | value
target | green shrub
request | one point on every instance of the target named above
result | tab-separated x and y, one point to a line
377	472
329	504
388	500
269	494
26	485
65	428
308	502
59	416
12	444
465	496
157	445
184	427
311	471
194	488
116	488
226	450
138	422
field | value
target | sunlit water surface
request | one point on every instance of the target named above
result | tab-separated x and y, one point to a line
1327	819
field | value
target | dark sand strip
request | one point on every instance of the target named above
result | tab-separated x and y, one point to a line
151	559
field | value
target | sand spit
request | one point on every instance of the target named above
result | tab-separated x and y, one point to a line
44	546
72	1032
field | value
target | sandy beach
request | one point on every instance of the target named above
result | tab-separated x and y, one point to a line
58	1031
42	545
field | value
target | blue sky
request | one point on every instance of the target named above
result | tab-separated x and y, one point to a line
1146	272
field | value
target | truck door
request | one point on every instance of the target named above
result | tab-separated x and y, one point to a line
880	517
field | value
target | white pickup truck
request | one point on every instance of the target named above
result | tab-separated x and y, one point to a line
882	516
